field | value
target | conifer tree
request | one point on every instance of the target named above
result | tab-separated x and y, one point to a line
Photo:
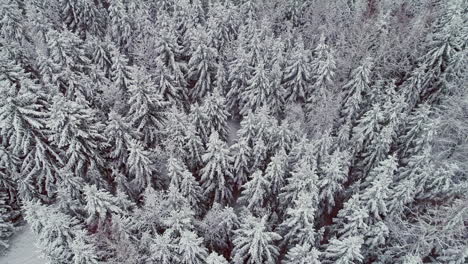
324	67
335	174
120	27
147	108
140	166
191	249
275	173
303	179
55	231
298	74
202	68
100	205
239	74
354	90
121	72
254	191
302	254
216	173
253	243
298	226
344	251
242	161
183	179
24	116
215	114
218	225
257	92
78	132
214	258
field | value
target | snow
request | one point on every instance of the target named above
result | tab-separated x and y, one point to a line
23	249
233	126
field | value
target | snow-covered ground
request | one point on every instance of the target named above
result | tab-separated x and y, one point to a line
23	249
233	126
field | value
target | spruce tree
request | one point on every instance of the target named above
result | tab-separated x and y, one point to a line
147	108
216	174
298	74
253	243
344	251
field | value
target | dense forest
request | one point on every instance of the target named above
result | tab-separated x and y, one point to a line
235	131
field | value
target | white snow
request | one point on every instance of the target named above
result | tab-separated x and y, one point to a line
233	126
23	249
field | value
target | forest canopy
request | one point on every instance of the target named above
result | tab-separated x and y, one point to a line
235	131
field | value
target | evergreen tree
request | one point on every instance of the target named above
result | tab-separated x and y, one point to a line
77	130
214	258
257	92
298	226
140	166
303	179
335	174
215	114
147	108
202	68
253	243
239	75
216	173
302	254
275	173
298	74
218	225
191	249
27	148
242	155
344	251
324	67
354	90
254	191
55	231
121	72
183	179
100	205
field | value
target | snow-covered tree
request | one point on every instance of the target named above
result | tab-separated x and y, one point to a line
183	179
324	68
100	205
298	226
55	231
298	74
77	130
202	68
275	173
303	179
302	254
216	173
257	92
218	225
191	249
214	258
254	191
216	114
140	166
335	173
354	91
239	75
253	243
344	251
147	108
242	160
